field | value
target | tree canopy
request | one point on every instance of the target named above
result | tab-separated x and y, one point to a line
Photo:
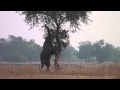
55	19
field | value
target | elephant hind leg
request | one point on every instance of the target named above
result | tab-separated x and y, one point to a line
48	65
42	65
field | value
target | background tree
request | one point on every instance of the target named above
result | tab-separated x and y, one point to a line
100	50
86	50
56	21
69	54
17	49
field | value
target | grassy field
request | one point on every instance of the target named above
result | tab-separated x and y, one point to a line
67	71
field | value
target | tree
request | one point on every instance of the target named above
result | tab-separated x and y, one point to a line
116	54
56	21
86	50
99	49
104	51
17	49
69	54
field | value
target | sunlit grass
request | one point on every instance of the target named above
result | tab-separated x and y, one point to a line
94	71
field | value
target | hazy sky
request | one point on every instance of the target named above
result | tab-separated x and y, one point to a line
105	25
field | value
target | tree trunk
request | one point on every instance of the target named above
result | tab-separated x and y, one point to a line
56	61
57	56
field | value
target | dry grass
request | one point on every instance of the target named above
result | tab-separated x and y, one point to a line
94	71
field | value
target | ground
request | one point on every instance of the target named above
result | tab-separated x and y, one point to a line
67	71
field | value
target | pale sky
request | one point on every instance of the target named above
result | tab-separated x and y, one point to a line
105	25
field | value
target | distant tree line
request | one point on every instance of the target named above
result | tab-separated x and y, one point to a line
99	51
17	49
